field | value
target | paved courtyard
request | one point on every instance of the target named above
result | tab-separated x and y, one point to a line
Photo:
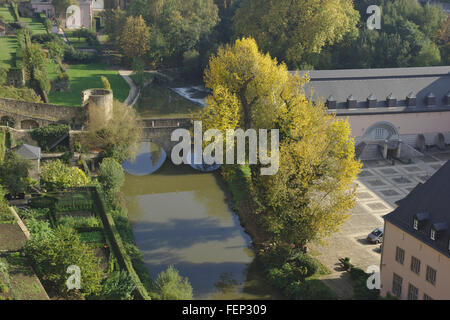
379	185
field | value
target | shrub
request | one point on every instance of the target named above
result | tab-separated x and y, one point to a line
306	264
80	222
45	136
56	175
62	248
14	173
5	213
39	229
118	286
111	175
171	286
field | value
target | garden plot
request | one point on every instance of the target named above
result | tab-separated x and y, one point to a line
17	279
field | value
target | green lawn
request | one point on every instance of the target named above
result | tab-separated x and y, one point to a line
6	14
87	76
78	43
7	49
35	25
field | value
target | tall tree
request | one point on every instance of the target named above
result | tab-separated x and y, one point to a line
134	38
180	26
35	63
291	30
118	137
311	194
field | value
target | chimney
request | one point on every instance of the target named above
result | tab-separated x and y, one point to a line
331	102
391	101
351	102
411	100
371	101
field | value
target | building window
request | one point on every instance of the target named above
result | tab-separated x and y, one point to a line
431	275
416	224
397	285
433	234
427	297
415	265
400	255
413	292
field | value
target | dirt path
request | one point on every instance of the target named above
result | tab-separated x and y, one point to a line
134	90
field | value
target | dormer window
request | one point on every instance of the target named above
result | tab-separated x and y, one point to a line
419	220
433	234
437	229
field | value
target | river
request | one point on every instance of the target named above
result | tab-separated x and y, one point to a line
182	217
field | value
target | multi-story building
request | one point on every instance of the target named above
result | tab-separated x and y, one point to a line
415	261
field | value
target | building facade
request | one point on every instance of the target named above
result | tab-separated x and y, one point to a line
395	112
415	260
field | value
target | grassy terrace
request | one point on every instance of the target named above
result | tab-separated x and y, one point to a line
35	25
7	49
86	76
5	13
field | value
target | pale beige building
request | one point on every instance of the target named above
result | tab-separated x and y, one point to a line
415	260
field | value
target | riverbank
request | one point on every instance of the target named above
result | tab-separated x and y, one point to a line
278	266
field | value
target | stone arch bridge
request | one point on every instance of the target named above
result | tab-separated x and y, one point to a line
159	131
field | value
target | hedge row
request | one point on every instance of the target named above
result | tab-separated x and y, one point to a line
116	245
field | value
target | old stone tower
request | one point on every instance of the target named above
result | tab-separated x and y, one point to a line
98	103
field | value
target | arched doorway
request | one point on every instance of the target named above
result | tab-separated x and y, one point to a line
29	124
7	121
381	131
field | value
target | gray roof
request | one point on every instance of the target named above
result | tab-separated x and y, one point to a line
380	83
430	204
29	152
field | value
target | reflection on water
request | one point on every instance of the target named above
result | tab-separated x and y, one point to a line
181	217
149	159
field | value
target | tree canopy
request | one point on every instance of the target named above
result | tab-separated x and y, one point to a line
310	196
294	30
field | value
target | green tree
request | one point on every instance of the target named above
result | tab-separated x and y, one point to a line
35	64
53	253
292	31
111	175
56	175
311	194
179	26
171	286
114	23
14	173
134	38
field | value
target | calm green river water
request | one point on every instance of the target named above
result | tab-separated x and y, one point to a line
181	217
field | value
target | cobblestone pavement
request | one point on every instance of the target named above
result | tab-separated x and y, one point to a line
379	186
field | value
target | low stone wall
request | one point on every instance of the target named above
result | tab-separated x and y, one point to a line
42	113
